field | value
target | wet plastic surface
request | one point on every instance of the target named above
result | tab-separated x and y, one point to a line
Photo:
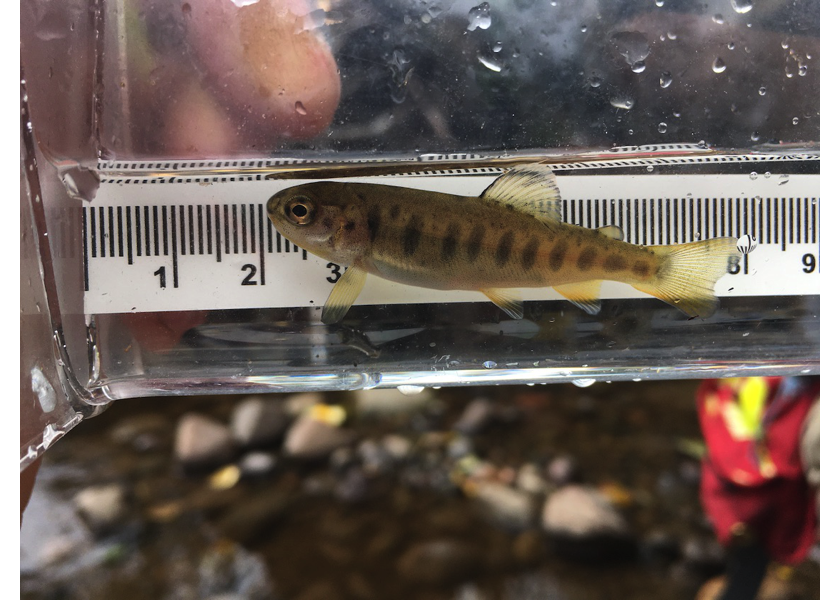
370	86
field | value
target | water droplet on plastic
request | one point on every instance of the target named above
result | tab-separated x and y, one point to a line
410	390
795	120
623	102
583	28
762	90
80	183
489	364
731	45
638	67
582	383
783	179
785	44
754	137
490	63
663	127
426	18
479	17
497	47
803	70
753	175
659	3
665	79
54	23
718	66
595	81
742	6
399	65
649	168
434	10
671	35
300	108
633	46
637	379
718	18
44	390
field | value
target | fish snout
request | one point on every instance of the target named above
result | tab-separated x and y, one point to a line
273	205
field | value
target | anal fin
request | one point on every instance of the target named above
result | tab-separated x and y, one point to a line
586	295
344	293
509	300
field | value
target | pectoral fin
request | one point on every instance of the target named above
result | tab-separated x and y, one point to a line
343	294
508	300
586	295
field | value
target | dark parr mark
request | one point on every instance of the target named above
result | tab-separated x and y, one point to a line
504	248
586	260
614	262
350	226
557	255
395	211
411	236
529	254
373	221
328	223
450	242
641	269
474	243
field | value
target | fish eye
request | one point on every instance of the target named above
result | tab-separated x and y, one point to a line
300	210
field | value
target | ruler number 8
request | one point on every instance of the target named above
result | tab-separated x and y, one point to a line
809	263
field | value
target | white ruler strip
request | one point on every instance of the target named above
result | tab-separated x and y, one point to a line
167	246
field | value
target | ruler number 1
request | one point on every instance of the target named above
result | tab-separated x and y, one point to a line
161	273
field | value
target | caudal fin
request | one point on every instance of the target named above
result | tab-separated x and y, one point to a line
688	274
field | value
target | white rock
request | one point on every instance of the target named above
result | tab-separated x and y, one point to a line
581	511
507	506
310	438
389	402
202	441
101	506
258	420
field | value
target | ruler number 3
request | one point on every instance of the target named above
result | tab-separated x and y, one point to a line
336	272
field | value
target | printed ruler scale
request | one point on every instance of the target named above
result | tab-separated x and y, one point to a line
193	244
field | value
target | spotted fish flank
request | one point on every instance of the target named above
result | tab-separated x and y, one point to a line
511	236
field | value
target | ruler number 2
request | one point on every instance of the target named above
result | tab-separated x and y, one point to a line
249	278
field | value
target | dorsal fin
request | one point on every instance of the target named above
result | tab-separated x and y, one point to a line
531	189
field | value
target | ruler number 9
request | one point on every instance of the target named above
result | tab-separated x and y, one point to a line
809	263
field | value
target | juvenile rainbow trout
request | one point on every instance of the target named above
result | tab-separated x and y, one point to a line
511	236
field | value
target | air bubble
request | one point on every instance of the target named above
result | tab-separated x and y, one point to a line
663	127
762	90
718	66
718	18
489	364
665	79
497	47
649	168
754	137
595	81
638	67
753	175
300	108
795	120
582	383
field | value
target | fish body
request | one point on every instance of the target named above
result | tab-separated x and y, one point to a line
509	237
